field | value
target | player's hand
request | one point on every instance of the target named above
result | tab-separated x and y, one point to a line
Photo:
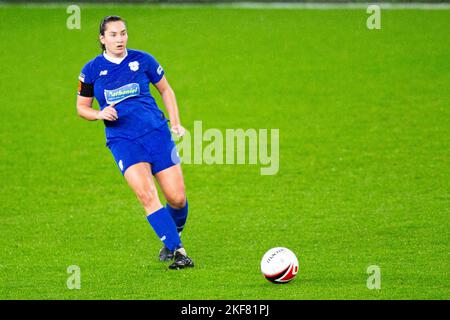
108	113
178	130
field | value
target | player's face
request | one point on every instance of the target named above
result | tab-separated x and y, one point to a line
115	38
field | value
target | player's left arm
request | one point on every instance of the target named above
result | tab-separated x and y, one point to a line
170	102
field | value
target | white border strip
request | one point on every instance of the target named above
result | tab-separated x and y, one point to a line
246	5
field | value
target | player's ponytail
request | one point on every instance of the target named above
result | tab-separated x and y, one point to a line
103	24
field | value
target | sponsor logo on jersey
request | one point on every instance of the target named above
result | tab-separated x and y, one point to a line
160	70
81	77
103	73
134	66
122	93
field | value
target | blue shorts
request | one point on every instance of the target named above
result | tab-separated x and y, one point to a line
156	147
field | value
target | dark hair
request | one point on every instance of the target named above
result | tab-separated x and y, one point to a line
103	24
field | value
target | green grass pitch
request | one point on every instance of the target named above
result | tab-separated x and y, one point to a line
364	155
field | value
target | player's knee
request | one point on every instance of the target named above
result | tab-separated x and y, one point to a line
177	200
147	197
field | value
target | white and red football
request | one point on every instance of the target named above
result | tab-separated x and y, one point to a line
279	265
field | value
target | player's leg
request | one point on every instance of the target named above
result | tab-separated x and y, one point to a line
166	169
172	185
133	160
140	179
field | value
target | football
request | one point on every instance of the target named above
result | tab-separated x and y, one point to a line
279	265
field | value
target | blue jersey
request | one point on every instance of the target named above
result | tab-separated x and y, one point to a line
127	85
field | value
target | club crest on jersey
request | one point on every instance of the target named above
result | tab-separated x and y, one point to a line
134	66
122	93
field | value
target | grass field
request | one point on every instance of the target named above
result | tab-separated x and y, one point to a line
364	173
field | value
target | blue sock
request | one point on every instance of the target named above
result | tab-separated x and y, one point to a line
179	215
165	228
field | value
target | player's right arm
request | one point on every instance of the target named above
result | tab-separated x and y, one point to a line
85	110
86	97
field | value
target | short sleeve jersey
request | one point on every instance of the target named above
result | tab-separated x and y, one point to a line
126	84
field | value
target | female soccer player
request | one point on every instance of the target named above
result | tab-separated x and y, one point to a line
137	132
